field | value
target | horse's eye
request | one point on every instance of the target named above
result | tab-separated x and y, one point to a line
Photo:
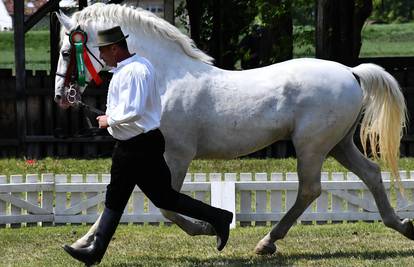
66	53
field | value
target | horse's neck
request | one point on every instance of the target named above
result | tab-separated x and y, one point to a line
168	60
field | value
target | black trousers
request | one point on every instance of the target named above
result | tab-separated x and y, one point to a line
140	161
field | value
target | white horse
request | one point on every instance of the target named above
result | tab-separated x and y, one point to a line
213	113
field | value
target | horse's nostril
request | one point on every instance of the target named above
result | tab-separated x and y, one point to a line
58	98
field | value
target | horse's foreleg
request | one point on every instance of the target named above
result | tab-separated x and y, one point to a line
190	227
369	172
309	172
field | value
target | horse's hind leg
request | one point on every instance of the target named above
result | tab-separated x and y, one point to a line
350	157
178	167
309	172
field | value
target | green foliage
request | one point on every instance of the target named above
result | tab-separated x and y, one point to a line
390	11
303	12
378	40
250	31
304	41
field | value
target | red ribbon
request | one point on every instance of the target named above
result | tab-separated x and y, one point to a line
91	68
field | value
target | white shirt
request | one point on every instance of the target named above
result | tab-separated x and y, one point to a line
133	104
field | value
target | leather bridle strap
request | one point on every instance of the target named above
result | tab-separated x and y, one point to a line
71	67
79	55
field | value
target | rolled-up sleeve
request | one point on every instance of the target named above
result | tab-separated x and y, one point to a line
133	91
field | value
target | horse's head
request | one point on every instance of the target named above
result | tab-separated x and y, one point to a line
78	62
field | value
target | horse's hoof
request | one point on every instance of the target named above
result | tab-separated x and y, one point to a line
265	248
409	232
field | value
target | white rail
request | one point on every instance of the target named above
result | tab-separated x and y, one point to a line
256	199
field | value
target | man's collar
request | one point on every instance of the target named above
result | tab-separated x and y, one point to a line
124	62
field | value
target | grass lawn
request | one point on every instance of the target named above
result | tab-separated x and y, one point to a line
358	244
388	40
37	50
82	166
351	244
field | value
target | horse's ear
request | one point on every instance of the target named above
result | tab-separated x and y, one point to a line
64	20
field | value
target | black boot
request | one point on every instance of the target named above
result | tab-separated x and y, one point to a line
220	219
96	250
222	228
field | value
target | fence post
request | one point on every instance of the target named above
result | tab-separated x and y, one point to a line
32	197
47	196
261	198
322	201
337	205
246	199
16	211
3	204
223	195
61	198
91	179
276	200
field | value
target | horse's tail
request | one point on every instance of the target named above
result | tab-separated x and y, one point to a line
385	114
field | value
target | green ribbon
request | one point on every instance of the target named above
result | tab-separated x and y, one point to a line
80	63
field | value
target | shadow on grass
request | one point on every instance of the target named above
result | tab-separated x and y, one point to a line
266	261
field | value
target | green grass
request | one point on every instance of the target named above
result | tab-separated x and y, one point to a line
388	40
79	166
385	40
358	244
37	50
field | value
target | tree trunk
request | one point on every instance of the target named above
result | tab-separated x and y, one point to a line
169	11
216	40
363	9
194	8
338	29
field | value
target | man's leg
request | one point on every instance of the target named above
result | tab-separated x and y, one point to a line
117	195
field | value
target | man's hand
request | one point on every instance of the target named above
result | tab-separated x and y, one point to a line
102	121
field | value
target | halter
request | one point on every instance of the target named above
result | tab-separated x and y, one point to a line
79	60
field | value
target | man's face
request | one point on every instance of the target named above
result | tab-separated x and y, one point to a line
108	55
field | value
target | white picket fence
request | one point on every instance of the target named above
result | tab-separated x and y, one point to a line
256	199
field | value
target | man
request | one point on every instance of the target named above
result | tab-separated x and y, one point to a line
132	117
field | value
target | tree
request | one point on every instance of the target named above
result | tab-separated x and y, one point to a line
338	29
271	35
390	11
223	28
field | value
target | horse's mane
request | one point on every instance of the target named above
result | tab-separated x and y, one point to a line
130	17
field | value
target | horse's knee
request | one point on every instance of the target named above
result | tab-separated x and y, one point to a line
372	176
309	193
374	171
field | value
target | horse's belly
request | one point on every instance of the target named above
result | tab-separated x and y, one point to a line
227	143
